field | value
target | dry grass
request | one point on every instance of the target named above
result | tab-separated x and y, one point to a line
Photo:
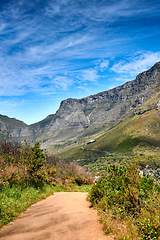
119	229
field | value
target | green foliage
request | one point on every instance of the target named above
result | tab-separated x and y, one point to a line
138	134
131	183
118	187
24	175
36	160
32	159
146	187
15	199
148	220
149	225
123	192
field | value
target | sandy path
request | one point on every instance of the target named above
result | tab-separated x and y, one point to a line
63	216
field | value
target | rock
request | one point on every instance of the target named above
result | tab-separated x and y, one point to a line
78	116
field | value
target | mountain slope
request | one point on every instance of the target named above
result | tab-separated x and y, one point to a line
79	118
10	127
137	134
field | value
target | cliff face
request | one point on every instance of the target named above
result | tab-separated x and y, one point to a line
77	116
13	128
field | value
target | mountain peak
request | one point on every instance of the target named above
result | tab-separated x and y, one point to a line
89	115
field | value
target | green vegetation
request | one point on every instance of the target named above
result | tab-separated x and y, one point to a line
133	135
15	199
98	167
139	134
27	175
128	203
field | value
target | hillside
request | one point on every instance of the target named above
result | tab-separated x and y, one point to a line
90	117
10	127
77	117
137	134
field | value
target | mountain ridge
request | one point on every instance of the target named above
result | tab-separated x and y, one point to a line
76	117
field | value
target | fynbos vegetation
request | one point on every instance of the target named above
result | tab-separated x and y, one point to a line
128	203
28	175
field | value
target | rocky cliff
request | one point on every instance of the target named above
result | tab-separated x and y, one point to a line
76	117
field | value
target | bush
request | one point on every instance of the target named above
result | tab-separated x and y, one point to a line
32	159
73	174
126	195
24	175
10	151
118	187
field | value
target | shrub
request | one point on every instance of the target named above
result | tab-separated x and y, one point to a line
124	194
71	173
10	150
32	159
149	222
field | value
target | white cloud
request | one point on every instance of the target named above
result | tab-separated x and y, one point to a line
104	65
137	64
8	106
111	11
90	75
62	82
39	51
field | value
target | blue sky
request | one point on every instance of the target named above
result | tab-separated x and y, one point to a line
51	50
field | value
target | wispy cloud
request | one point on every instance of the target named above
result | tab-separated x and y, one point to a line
137	63
62	82
104	64
90	75
8	106
48	46
93	74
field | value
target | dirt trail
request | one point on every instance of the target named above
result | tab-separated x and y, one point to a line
63	216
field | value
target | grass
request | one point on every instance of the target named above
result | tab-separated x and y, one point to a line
121	229
130	133
134	135
83	188
32	176
15	200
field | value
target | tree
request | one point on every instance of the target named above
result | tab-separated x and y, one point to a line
33	158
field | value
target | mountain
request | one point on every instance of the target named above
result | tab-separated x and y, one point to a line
10	127
77	119
137	134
